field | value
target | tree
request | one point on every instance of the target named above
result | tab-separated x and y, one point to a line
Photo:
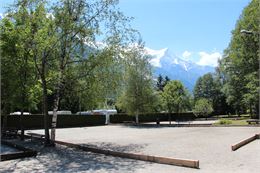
209	86
205	87
203	107
59	39
138	95
162	82
17	64
175	97
166	79
79	22
240	65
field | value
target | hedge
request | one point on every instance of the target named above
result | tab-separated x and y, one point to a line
63	121
153	117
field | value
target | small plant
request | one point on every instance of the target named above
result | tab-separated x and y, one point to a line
223	121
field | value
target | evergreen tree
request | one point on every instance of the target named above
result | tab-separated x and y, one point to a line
160	83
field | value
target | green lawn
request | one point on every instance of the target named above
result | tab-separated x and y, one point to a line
228	121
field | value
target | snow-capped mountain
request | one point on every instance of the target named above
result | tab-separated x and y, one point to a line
166	63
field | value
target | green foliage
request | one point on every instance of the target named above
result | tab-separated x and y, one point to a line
161	82
241	63
18	77
203	107
138	95
223	121
209	87
175	97
55	46
205	87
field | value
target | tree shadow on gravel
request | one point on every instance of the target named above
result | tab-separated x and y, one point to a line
64	159
131	148
148	126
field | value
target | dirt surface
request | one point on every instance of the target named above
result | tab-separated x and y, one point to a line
210	145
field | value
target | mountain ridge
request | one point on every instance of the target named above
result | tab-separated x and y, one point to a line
167	64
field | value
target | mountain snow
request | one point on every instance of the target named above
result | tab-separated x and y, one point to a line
167	64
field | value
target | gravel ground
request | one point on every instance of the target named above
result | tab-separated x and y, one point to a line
210	145
186	122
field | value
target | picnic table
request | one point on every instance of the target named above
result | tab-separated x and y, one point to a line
256	121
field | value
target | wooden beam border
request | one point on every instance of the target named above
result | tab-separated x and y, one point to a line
24	152
155	159
244	142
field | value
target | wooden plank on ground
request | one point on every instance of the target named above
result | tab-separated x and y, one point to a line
155	159
24	152
243	142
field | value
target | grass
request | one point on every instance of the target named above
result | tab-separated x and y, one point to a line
227	121
232	116
232	119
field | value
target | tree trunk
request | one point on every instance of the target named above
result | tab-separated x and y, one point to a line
4	128
21	125
45	112
250	110
137	118
57	101
55	116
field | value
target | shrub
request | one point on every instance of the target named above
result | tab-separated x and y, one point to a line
223	121
203	107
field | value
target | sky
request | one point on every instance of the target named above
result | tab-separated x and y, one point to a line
195	30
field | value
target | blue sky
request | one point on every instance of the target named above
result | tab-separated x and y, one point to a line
197	30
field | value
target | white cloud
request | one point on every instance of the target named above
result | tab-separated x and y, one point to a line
186	54
210	59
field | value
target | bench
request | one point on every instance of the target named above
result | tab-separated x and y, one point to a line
253	121
35	135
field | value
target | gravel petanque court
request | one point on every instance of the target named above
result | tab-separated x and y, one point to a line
210	145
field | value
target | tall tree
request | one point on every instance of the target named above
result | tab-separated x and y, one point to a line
209	86
18	63
138	95
176	97
38	32
241	63
79	23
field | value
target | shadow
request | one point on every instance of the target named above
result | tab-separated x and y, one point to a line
153	126
64	159
148	126
131	148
